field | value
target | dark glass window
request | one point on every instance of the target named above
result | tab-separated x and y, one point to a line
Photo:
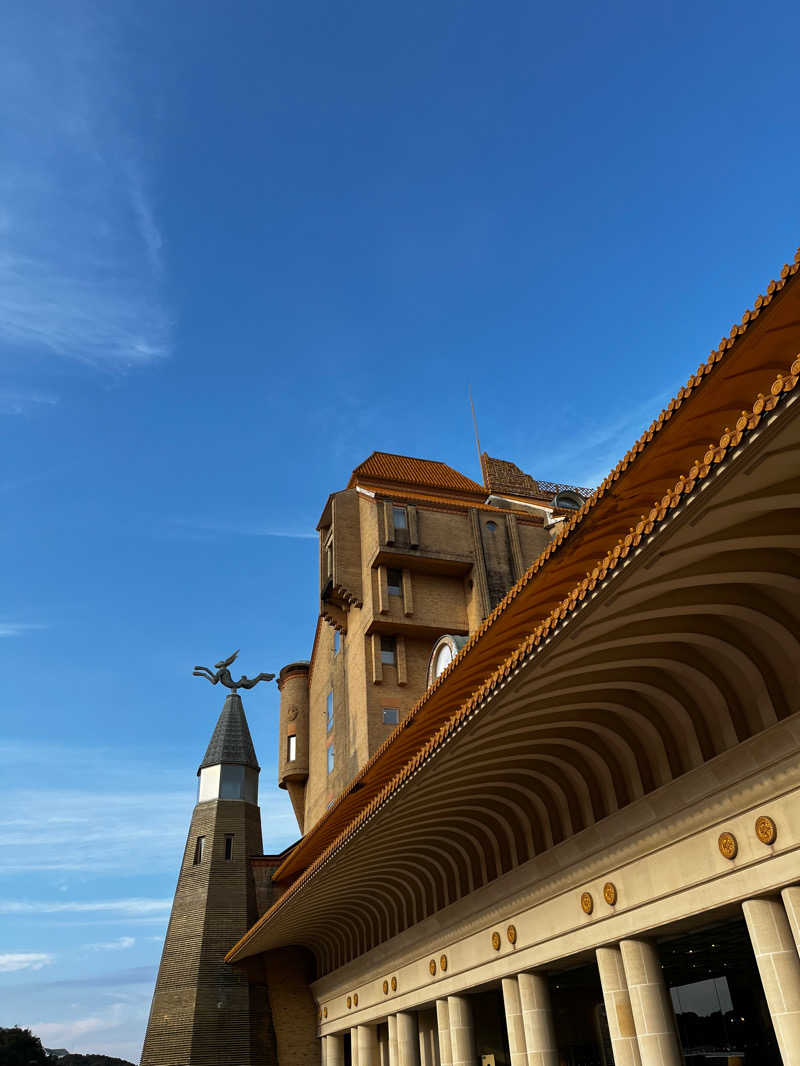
198	850
395	581
388	651
229	847
391	716
400	518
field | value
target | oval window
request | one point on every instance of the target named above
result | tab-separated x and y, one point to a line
491	526
443	659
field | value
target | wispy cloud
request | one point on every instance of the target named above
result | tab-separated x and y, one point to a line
24	401
243	528
133	905
17	629
122	943
9	963
81	266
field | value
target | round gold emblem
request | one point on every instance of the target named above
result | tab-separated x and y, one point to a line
443	963
511	933
432	967
766	830
727	845
496	940
587	903
610	893
386	988
394	984
349	1002
355	1000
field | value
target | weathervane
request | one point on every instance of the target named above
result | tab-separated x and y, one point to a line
223	674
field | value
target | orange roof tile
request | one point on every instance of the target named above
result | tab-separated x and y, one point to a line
744	364
422	473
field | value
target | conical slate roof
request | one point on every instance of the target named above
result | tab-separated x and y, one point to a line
231	742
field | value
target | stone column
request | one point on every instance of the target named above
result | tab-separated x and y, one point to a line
652	1008
779	966
334	1049
462	1037
791	901
354	1046
323	1052
443	1027
537	1019
618	1007
428	1038
392	1024
514	1026
367	1045
407	1039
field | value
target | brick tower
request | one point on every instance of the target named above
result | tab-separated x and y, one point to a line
204	1013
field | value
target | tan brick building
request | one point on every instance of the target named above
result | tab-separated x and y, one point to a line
580	843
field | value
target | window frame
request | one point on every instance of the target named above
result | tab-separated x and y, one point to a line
389	655
395	712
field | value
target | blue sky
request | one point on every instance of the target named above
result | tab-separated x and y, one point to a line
242	246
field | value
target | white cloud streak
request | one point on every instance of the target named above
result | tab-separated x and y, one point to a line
134	906
17	629
9	963
81	265
120	944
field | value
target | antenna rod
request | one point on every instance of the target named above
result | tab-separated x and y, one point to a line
475	424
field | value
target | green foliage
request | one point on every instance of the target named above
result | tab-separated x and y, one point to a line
19	1047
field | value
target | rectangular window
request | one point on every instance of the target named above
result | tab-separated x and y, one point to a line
388	651
394	579
228	847
330	711
198	850
336	640
291	746
400	518
330	759
391	716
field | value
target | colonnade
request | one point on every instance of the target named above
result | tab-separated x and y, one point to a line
638	1007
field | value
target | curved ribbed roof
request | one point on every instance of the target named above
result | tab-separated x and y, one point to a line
231	742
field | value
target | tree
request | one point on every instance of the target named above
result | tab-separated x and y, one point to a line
19	1047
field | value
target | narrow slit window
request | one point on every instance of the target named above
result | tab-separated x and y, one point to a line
388	651
329	711
394	579
291	753
228	847
198	850
330	759
336	641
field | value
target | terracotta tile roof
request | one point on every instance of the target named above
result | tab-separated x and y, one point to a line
422	473
744	364
779	393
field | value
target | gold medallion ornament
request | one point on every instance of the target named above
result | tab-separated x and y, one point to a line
349	1002
610	893
355	1000
728	846
394	984
432	967
766	830
496	940
511	933
386	988
443	964
587	903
